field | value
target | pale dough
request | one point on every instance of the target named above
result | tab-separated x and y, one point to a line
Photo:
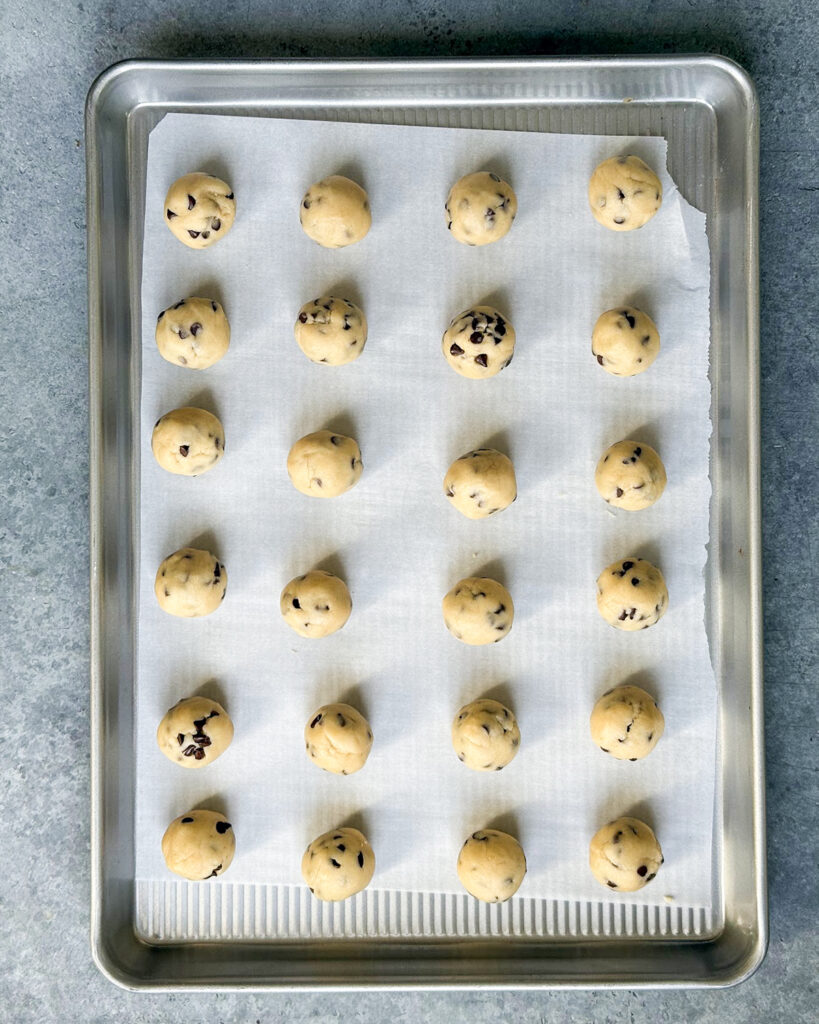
625	855
199	209
478	611
624	193
194	732
481	483
626	723
190	583
338	864
330	330
491	865
316	604
480	208
631	594
335	212
194	333
485	735
625	341
199	845
630	475
479	343
338	738
324	464
188	441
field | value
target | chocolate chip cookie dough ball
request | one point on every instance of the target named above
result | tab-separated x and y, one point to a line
194	732
199	845
625	855
338	738
194	333
480	208
626	723
338	864
335	212
478	611
491	865
481	483
479	343
199	209
631	594
188	441
316	604
190	583
331	331
485	735
630	475
624	193
324	464
625	341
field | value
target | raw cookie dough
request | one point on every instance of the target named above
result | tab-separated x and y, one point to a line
330	330
338	864
625	855
324	464
626	723
199	845
481	483
193	333
624	193
338	738
479	343
625	341
199	209
491	865
190	583
480	208
485	735
630	475
316	604
188	441
194	732
631	594
478	611
335	212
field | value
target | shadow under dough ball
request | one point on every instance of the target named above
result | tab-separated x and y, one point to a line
624	193
624	855
338	864
480	208
491	865
190	583
324	464
335	212
194	732
631	594
194	333
188	441
200	209
199	845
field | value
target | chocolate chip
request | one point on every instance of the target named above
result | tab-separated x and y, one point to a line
334	862
222	827
214	873
190	750
191	202
206	234
632	759
296	603
476	338
605	750
335	439
642	871
306	204
455	350
619	220
229	196
638	452
651	734
494	177
193	234
171	214
182	334
217	571
499	609
217	441
635	581
315	721
160	316
187	821
360	859
619	492
214	307
341	847
613	885
623	615
600	360
627	566
180	738
184	449
629	318
652	875
180	303
215	224
616	836
342	721
481	359
352	462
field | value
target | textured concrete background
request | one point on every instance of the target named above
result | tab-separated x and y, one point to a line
49	54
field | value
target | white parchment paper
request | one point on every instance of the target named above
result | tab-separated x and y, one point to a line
396	540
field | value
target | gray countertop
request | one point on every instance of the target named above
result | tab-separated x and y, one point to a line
49	54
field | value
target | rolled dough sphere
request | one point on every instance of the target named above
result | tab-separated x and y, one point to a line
491	865
194	732
331	331
625	341
316	604
193	333
625	855
199	209
630	475
481	483
188	441
631	594
335	212
626	723
338	864
338	738
324	464
478	611
624	193
479	343
190	583
485	735
199	845
480	208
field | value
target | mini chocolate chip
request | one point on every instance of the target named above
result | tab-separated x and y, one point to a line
214	873
180	303
195	329
627	566
619	492
334	862
635	581
296	603
191	202
481	359
184	449
182	334
335	439
217	571
206	234
214	307
167	592
160	316
360	859
171	214
190	750
619	220
215	224
306	204
605	750
623	616
352	462
222	827
632	759
315	721
193	234
187	821
494	177
651	734
652	875
499	609
342	721
229	196
613	885
642	871
217	442
600	360
180	738
638	452
476	338
455	350
629	318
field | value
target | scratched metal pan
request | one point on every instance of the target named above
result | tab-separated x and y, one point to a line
169	935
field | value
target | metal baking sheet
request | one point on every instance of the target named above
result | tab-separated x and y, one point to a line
168	935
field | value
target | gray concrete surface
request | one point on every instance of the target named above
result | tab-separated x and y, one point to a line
49	54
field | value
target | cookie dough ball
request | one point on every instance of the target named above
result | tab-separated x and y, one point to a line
338	738
631	594
478	611
624	193
479	343
199	845
481	483
199	209
190	583
193	333
485	735
188	441
331	331
338	864
491	865
335	212
194	732
480	208
625	855
630	475
324	464
625	341
316	604
626	723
